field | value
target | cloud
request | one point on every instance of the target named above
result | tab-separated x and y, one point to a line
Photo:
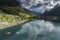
46	4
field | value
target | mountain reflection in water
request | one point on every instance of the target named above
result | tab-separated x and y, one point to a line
38	30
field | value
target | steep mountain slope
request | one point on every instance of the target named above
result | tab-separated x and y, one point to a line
8	3
45	5
12	13
13	7
53	12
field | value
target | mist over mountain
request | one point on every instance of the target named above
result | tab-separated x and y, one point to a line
39	6
53	12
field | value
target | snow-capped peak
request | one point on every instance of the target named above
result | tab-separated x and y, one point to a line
44	5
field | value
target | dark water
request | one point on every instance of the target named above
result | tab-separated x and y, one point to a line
38	30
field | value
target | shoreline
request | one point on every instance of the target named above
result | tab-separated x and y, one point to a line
4	25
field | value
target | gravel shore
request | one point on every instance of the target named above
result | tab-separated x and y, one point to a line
4	25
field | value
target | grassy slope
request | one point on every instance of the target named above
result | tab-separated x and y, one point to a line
14	13
9	9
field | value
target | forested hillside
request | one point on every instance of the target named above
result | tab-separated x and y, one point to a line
13	8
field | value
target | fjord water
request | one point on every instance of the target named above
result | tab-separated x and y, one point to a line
38	30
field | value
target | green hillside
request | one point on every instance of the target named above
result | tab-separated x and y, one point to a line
9	9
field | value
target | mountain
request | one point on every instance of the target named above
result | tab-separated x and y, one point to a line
53	12
13	7
9	3
9	6
39	6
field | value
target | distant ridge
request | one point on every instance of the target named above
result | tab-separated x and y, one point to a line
53	12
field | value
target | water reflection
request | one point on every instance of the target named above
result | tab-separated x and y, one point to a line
38	30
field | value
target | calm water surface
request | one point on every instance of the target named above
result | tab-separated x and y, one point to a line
37	30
